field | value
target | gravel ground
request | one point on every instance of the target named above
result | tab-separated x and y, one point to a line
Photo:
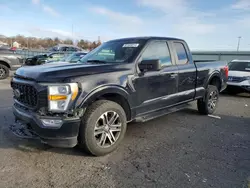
183	149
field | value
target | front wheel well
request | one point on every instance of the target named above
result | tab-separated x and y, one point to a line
119	99
215	81
5	63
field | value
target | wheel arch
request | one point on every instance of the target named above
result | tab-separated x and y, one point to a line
215	79
113	93
4	62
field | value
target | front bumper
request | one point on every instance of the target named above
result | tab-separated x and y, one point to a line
65	136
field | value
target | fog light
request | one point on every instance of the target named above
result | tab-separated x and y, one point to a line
61	104
56	123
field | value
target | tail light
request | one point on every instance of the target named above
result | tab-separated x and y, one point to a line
226	71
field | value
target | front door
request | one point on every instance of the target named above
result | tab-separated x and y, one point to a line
156	89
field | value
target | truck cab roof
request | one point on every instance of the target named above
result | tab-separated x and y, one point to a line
146	38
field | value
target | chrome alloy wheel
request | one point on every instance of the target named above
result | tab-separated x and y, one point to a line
107	129
2	72
213	100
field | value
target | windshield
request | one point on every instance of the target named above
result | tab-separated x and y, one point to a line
239	66
114	52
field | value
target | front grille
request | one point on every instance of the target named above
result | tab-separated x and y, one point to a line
43	98
235	79
27	94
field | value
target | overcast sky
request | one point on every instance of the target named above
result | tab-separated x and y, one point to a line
204	24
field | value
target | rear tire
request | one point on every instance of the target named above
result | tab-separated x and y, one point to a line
208	104
4	72
98	130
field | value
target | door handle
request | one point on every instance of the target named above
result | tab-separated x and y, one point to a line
173	75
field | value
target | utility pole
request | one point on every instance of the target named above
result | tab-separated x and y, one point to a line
238	46
72	30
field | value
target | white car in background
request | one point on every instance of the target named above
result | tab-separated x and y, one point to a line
239	76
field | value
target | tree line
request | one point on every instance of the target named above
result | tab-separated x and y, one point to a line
45	43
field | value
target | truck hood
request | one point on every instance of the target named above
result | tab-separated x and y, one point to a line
59	71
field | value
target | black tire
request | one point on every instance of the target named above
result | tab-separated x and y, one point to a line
87	139
4	72
204	103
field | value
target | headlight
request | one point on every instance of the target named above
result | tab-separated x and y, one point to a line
60	96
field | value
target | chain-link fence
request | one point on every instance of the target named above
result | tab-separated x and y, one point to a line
197	55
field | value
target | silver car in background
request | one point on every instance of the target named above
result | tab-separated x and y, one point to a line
9	61
239	76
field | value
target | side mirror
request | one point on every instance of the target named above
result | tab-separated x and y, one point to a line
150	65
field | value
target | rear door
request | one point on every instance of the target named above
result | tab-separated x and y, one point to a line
157	89
186	71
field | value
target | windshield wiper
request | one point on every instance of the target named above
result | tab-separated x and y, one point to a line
96	61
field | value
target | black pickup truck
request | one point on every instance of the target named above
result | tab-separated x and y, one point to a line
90	103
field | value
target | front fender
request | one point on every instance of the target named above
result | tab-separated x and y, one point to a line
5	60
102	90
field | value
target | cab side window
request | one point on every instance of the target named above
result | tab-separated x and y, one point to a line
157	50
181	53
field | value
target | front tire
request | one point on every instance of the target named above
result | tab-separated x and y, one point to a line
4	72
103	127
208	104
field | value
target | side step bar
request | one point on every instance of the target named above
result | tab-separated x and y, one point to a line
161	112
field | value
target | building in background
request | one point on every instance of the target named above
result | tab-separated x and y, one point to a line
16	45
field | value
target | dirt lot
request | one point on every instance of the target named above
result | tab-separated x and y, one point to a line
183	149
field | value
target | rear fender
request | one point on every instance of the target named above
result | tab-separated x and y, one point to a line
214	74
